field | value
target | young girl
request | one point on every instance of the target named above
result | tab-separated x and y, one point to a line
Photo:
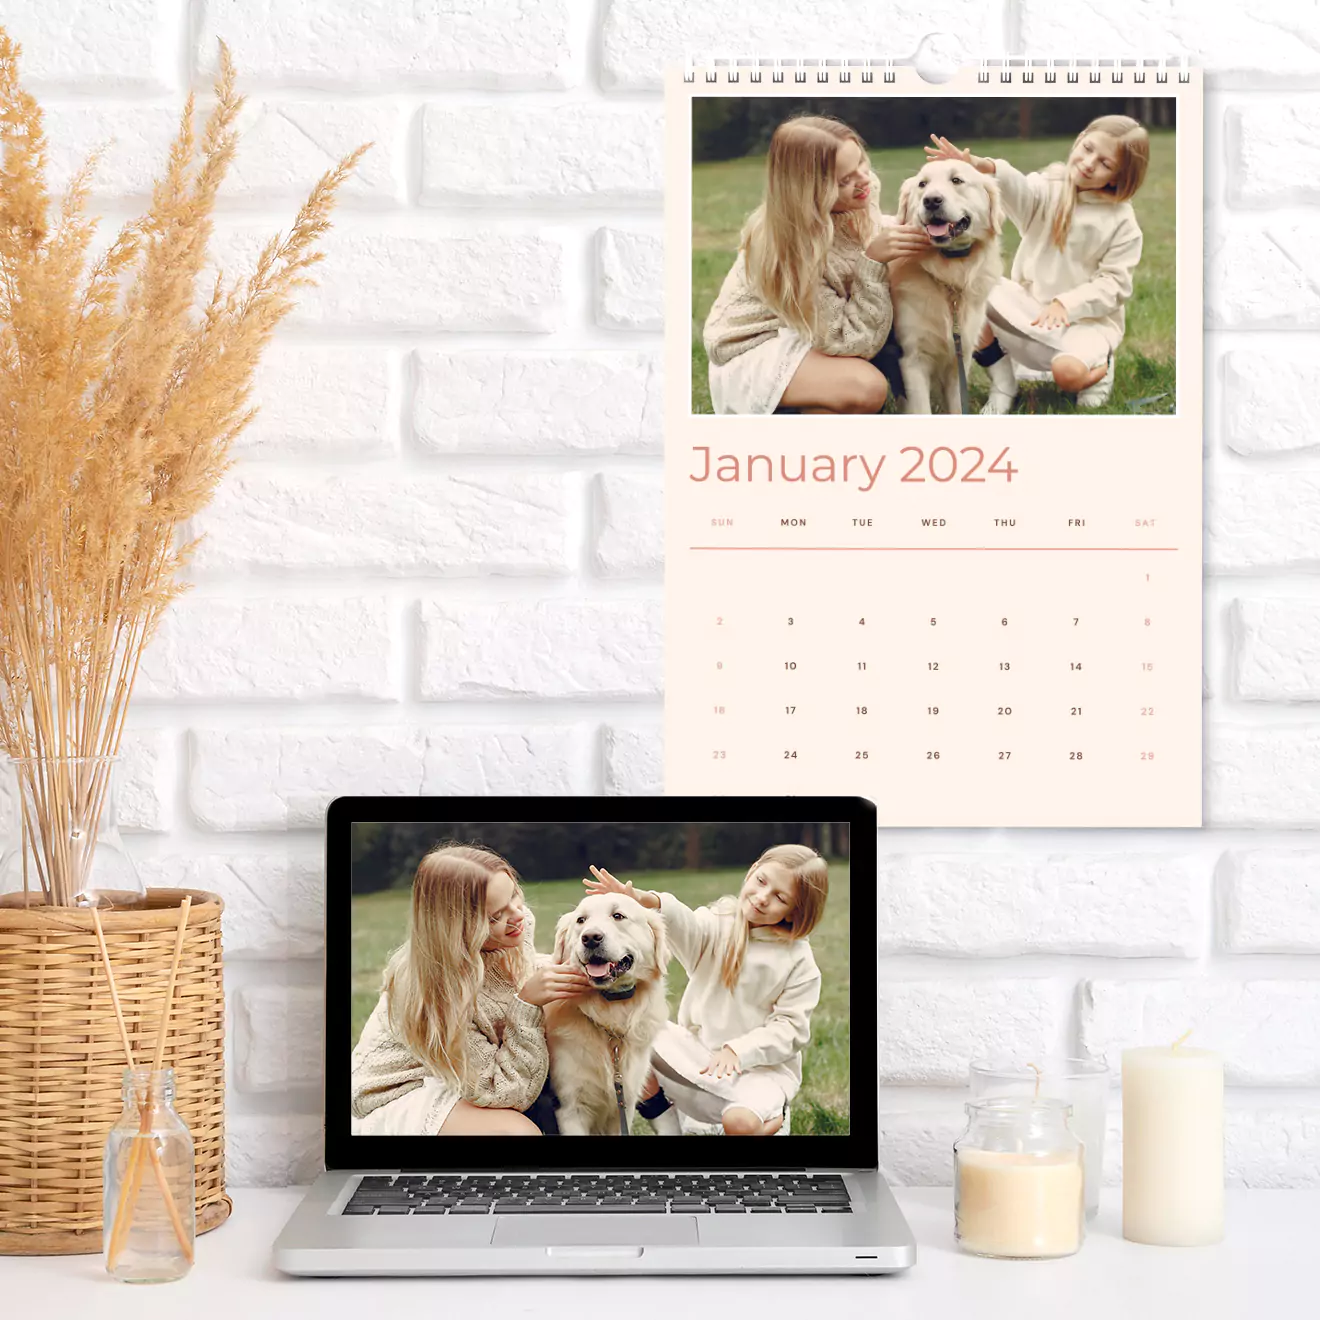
735	1055
1062	310
806	304
455	1044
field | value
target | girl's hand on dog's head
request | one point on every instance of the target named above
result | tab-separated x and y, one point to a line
605	883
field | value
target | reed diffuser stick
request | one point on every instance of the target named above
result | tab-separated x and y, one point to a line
132	1184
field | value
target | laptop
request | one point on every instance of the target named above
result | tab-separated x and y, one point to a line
421	1174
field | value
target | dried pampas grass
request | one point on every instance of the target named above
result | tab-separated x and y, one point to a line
119	407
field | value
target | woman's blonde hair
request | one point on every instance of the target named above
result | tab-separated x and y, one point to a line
432	980
787	238
812	887
1134	155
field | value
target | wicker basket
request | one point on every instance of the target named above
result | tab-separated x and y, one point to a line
62	1059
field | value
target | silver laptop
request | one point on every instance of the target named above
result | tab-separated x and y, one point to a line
418	1181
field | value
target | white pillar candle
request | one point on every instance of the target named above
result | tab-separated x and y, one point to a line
1173	1146
1019	1205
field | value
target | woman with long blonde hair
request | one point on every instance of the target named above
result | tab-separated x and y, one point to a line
455	1044
734	1057
1062	309
806	305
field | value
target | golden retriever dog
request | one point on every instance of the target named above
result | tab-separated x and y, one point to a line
606	1034
963	216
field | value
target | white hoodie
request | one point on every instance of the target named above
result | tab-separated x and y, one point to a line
766	1019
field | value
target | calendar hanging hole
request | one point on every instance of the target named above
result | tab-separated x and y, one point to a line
939	57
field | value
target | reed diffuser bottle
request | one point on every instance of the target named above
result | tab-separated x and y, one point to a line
149	1184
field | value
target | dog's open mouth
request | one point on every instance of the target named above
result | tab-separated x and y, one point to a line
602	973
941	231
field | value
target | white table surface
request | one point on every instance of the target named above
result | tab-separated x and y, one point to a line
1268	1266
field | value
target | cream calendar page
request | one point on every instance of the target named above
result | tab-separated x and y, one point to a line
969	618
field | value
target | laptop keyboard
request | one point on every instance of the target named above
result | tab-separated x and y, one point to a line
600	1194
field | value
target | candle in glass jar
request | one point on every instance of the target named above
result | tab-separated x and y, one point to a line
1020	1204
1173	1146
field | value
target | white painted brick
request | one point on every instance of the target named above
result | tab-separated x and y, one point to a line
259	649
146	774
1262	776
1268	901
273	1150
322	402
1242	47
555	649
284	147
1263	520
404	523
1269	145
630	278
1272	1147
1276	649
283	1037
930	1031
538	403
279	779
916	1149
388	44
1263	277
581	152
1125	904
628	524
127	46
641	37
634	760
1267	1031
274	901
1268	400
388	280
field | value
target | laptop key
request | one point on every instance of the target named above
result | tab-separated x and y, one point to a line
766	1210
724	1209
395	1210
352	1209
465	1209
800	1209
431	1210
836	1209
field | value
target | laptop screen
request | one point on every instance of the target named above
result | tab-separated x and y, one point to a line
587	976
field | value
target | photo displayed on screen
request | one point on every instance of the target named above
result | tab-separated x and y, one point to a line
973	255
590	979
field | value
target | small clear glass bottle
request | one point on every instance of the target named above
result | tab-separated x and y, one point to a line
1019	1180
149	1225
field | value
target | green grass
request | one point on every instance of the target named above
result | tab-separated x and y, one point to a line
725	193
380	922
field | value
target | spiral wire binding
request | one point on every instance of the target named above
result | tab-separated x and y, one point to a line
1024	66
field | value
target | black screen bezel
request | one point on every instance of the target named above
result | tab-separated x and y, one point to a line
344	1151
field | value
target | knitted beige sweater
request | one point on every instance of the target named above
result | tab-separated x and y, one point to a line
507	1058
853	310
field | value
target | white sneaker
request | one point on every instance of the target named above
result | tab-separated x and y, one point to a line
1097	395
1003	388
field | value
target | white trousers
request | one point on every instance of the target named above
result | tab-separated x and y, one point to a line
1012	309
677	1057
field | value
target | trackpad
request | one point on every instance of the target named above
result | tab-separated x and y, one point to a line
592	1231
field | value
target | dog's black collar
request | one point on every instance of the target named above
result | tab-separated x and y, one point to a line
618	994
951	253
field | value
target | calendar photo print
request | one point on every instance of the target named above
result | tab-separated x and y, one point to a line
933	439
598	979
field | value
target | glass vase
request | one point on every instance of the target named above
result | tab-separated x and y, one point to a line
64	847
148	1225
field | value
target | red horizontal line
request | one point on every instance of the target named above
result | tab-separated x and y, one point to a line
1091	549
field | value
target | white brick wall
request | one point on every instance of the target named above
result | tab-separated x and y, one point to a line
459	441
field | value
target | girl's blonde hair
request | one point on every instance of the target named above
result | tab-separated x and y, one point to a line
812	887
1134	155
786	239
432	980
